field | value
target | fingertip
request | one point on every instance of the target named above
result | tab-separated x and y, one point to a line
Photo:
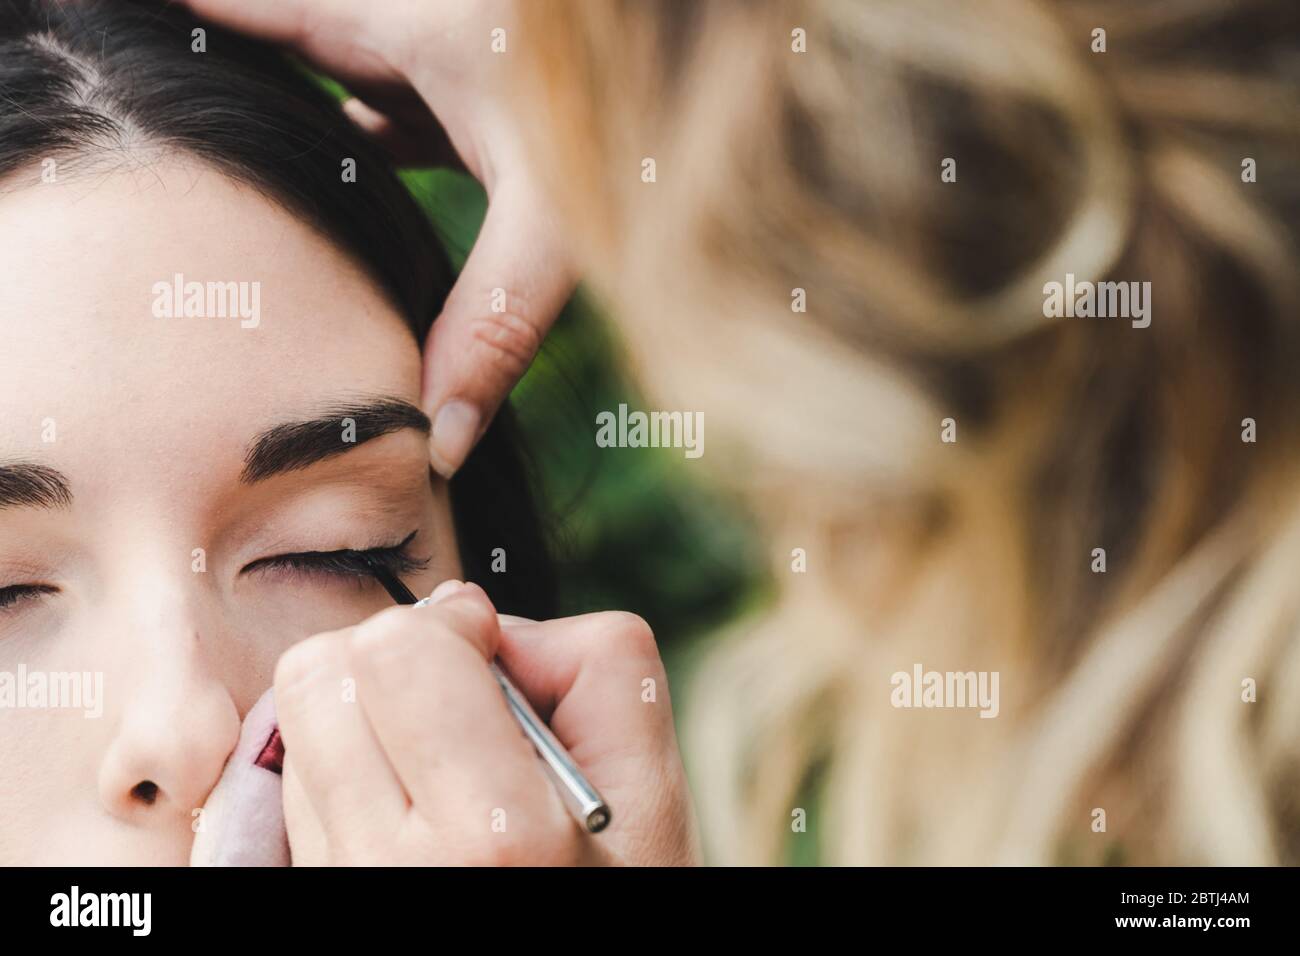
471	591
453	591
445	589
514	620
365	116
455	430
474	617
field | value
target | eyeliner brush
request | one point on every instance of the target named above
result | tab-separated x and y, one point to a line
586	805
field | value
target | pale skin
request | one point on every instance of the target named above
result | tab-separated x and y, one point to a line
424	78
152	418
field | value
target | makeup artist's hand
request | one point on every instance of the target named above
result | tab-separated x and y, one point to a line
429	87
400	748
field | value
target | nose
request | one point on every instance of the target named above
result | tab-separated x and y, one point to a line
177	725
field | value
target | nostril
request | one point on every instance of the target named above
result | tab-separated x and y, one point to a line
145	791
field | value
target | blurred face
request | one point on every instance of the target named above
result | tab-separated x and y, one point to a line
171	479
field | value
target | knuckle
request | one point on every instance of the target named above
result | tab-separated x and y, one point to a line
301	666
541	846
355	846
379	635
474	609
498	851
628	632
509	340
561	844
469	617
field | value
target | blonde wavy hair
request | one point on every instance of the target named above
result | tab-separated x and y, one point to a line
776	171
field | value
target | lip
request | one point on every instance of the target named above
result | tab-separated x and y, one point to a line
271	756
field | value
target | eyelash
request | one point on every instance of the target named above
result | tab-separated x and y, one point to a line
338	564
346	563
21	592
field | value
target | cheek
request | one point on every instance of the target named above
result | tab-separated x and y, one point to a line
278	612
48	758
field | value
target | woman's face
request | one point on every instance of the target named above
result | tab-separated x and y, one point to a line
135	533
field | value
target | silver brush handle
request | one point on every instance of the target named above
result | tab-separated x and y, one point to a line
583	801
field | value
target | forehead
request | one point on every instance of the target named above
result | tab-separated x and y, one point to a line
114	290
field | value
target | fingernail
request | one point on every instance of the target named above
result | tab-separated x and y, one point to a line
455	428
512	620
445	589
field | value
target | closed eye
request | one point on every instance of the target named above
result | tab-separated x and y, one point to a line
345	563
17	594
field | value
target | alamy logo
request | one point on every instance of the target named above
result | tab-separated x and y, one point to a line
943	689
651	430
179	299
1102	300
103	909
53	690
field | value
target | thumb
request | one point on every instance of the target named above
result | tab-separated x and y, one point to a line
597	679
513	286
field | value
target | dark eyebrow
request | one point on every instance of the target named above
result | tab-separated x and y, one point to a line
25	485
296	445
